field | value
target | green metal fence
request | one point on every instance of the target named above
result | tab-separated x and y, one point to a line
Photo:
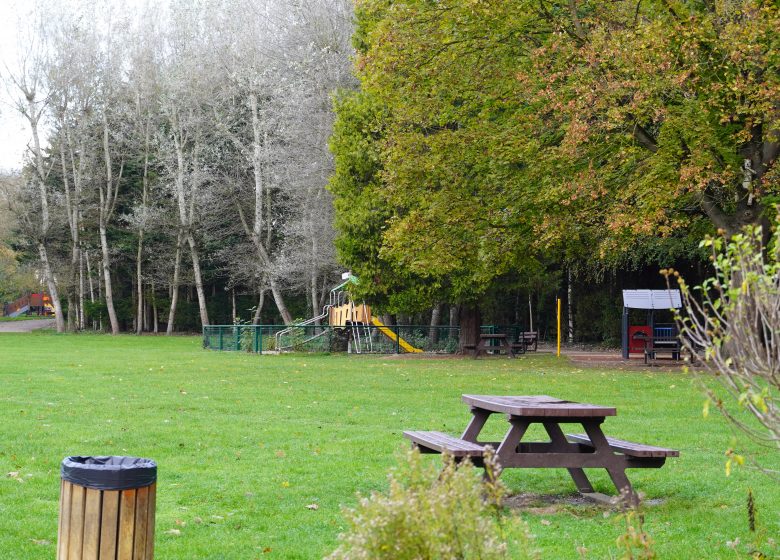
363	339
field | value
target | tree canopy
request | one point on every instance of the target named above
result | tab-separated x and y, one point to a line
504	134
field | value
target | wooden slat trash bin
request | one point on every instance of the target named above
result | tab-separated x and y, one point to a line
107	508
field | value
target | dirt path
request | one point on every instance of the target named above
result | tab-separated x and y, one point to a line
25	326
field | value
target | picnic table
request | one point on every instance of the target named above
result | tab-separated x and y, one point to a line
573	452
494	341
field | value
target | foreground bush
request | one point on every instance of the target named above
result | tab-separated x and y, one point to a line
431	514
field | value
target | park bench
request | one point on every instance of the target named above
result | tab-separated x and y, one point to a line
528	339
573	452
627	447
664	340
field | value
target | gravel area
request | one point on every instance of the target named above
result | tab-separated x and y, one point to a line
25	326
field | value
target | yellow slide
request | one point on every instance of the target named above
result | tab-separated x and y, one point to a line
394	337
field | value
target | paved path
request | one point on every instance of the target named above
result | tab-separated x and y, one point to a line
25	326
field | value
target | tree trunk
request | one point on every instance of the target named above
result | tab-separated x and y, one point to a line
470	323
204	314
82	323
108	290
174	287
570	307
454	312
33	116
314	298
107	200
139	327
259	309
52	287
433	334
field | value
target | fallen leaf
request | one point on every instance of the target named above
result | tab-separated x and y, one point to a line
174	532
546	522
312	506
41	542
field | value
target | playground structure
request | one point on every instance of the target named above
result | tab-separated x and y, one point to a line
349	323
30	304
651	338
344	325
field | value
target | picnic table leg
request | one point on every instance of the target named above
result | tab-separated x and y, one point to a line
508	346
617	469
477	350
561	445
476	424
511	441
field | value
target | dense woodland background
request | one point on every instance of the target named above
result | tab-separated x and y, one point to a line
470	161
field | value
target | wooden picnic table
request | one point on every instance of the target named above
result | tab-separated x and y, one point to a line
573	452
486	343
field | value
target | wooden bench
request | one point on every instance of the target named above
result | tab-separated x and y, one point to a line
529	338
628	447
655	346
439	442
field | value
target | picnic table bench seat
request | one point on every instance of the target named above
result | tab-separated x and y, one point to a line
627	447
439	442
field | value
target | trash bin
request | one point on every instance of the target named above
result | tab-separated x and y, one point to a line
107	507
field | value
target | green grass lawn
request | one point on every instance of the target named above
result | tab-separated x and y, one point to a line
244	443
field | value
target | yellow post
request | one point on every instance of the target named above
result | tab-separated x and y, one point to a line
559	327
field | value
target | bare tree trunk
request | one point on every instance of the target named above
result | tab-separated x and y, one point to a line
33	115
52	287
139	257
259	309
174	286
570	307
155	318
139	327
233	301
81	290
454	312
107	288
314	297
107	202
204	314
433	334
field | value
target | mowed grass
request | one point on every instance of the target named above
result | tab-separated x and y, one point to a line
244	443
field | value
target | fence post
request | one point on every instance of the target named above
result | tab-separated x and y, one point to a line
220	338
238	338
397	339
257	330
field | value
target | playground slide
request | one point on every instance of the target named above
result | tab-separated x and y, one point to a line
20	311
394	337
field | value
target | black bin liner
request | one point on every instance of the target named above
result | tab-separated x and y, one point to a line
109	473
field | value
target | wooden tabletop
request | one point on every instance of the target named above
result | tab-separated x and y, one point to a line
496	335
537	405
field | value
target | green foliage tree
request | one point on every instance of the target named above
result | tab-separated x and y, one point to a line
587	131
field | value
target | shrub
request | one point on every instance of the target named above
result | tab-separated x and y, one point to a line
733	329
431	514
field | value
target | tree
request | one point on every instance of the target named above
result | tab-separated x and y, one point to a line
29	82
